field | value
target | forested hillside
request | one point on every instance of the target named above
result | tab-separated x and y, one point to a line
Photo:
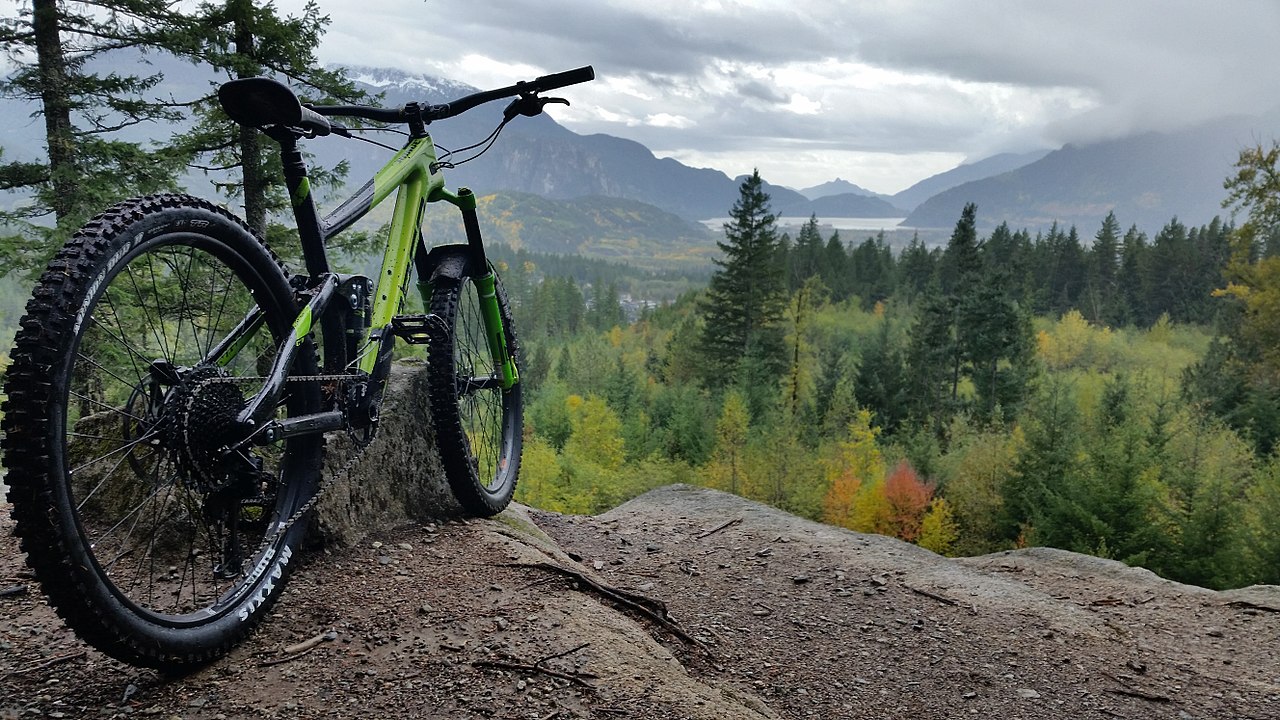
1007	390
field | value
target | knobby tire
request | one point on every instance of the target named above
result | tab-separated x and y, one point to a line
118	526
478	430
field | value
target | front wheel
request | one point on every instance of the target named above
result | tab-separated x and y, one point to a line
477	423
145	335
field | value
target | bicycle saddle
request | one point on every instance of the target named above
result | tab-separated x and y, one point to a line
260	101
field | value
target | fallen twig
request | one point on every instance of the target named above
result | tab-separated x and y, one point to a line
940	598
286	658
722	526
526	667
1246	605
309	643
1130	692
13	590
538	667
560	655
297	650
1139	694
41	665
651	608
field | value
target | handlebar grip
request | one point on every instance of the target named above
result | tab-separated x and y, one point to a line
564	79
314	121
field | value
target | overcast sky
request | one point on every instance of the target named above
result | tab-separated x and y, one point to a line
881	93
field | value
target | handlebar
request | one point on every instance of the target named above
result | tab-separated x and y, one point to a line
430	113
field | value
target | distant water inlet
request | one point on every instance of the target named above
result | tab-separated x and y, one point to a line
839	223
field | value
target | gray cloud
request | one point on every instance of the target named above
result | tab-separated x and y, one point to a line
907	77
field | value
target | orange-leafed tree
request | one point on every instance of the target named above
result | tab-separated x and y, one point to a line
856	463
838	504
907	497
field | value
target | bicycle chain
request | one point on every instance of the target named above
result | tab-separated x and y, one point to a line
327	482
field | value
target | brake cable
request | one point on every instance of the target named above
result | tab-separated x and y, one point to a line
527	104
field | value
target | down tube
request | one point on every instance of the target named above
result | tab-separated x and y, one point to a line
397	258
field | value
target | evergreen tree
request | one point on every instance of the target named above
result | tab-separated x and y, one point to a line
961	262
1213	255
880	384
53	46
1133	258
1101	292
239	39
834	268
871	270
976	331
1037	498
997	347
917	267
931	352
1060	270
806	256
1170	272
745	300
604	310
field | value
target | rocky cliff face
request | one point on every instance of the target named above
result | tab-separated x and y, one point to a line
684	603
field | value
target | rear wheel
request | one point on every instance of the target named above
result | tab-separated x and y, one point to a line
153	541
477	423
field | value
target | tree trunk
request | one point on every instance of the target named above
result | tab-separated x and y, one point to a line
56	99
254	183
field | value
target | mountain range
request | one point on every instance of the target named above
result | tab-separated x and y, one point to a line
1145	179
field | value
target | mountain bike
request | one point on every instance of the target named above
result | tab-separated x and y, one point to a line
172	382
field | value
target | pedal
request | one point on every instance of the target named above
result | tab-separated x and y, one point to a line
418	329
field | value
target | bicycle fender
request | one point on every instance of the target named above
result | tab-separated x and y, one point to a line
451	261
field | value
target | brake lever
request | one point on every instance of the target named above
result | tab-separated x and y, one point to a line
529	106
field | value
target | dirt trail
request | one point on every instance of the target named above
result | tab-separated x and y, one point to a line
780	617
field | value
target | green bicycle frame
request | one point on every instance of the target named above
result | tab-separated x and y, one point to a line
408	173
412	175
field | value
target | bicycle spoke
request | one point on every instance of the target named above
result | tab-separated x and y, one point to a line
155	330
126	449
110	408
108	371
151	269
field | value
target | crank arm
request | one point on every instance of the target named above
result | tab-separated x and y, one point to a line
314	424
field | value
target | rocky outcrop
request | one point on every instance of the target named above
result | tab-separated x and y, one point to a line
396	479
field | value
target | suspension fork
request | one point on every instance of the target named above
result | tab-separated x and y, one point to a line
486	285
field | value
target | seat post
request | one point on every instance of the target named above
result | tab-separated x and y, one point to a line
303	202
